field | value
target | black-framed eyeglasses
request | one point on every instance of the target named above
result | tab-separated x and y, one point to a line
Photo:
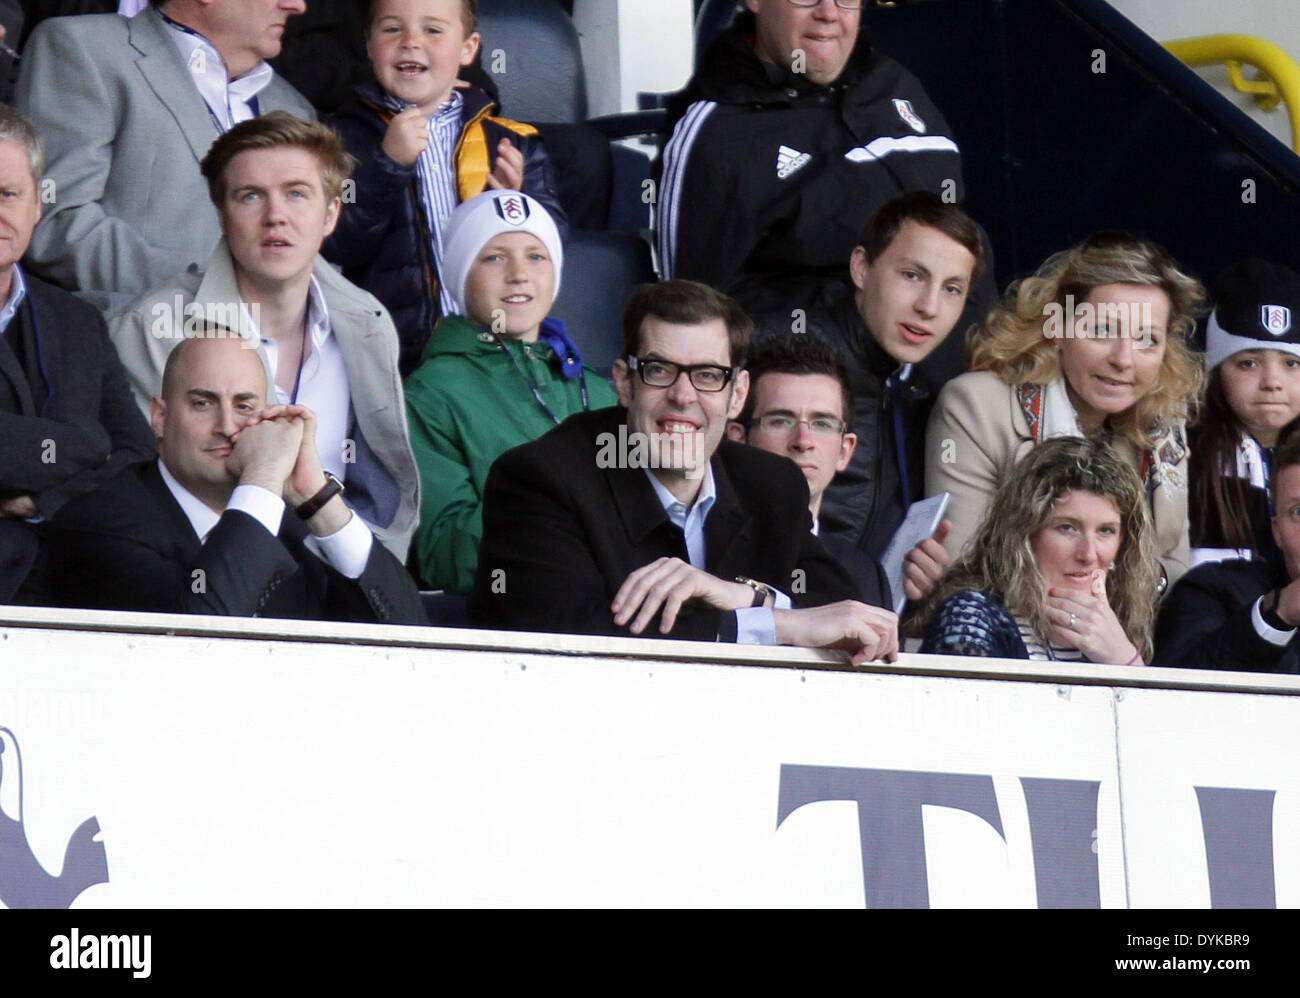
784	424
663	374
841	4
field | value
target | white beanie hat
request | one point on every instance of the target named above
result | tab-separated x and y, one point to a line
485	217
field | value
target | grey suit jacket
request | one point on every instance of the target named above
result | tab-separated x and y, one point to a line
383	485
124	129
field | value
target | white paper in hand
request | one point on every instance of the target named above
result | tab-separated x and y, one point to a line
922	520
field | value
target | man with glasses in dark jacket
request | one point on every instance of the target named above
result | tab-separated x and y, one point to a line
643	520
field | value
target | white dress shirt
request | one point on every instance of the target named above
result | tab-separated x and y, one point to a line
346	550
230	101
322	384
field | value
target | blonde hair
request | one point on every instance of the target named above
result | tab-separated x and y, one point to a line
1001	559
1015	346
274	130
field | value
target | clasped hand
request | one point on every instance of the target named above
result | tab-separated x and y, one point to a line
276	449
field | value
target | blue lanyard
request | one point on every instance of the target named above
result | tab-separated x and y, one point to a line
900	444
302	362
532	385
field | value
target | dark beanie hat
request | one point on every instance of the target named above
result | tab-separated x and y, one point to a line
1256	307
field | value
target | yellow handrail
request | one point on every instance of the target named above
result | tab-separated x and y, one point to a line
1279	75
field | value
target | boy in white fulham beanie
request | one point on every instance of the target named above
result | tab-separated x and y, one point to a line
498	375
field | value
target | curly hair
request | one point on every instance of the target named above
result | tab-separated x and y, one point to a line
1001	560
1014	343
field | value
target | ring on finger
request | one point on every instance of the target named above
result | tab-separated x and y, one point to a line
1073	618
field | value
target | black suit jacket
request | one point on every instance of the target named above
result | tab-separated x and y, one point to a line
561	533
1205	623
130	546
864	569
88	429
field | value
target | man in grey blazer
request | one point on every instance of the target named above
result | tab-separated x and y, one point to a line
128	108
325	343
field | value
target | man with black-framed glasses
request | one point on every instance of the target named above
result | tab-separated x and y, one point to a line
643	520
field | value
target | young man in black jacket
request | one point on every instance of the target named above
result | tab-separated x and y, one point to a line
912	270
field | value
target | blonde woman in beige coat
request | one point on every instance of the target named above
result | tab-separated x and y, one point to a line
1094	344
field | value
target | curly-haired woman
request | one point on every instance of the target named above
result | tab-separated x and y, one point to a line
1061	568
1093	345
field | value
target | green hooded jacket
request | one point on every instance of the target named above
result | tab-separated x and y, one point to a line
466	405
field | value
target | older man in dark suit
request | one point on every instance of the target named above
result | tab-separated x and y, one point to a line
67	420
205	529
643	520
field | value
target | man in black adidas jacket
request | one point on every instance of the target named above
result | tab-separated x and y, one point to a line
789	137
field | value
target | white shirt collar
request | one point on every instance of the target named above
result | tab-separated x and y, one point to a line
227	99
452	103
201	516
318	318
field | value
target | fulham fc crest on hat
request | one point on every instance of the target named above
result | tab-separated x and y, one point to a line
512	208
1275	318
905	111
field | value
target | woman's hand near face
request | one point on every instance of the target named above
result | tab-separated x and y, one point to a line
1084	620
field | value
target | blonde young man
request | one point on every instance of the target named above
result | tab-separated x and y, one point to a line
326	344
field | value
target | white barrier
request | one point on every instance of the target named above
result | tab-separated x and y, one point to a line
244	762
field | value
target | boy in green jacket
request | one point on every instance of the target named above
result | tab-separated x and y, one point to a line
497	375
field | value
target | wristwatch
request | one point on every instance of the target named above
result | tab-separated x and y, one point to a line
332	487
761	592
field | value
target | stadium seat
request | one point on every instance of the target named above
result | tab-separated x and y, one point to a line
600	271
532	51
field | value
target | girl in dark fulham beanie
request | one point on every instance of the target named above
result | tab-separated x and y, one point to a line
1252	345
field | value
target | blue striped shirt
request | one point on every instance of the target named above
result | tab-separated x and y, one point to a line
436	172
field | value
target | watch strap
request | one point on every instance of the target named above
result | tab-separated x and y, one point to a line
332	487
761	592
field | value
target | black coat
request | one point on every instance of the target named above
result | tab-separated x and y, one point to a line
769	178
561	533
1205	623
864	569
85	431
864	503
130	546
